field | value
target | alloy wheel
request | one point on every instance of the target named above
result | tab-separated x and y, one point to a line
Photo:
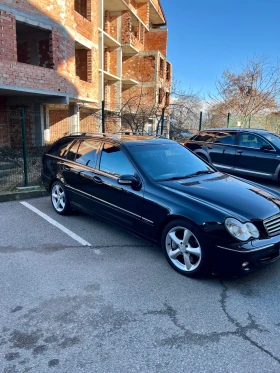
183	249
58	198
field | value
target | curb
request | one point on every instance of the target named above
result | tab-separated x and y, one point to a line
16	196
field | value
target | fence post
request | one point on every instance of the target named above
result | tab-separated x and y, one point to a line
23	132
228	119
162	120
103	116
200	121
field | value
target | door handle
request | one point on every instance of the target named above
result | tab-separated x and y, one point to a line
239	151
97	180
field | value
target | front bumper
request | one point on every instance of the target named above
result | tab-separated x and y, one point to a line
240	258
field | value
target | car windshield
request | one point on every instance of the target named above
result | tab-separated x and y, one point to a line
273	139
169	161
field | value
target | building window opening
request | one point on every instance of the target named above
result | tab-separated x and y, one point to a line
168	71
83	7
161	67
34	45
83	62
167	99
160	95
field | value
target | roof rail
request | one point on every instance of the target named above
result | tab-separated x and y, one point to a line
102	134
135	133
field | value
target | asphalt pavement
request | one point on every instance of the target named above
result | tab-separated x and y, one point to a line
80	295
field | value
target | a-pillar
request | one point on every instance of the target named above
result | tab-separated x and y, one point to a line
74	117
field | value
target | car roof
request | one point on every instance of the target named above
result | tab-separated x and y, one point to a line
236	129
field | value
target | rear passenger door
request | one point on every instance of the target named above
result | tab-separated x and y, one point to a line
223	150
78	170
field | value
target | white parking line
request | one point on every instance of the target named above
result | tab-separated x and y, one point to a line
56	224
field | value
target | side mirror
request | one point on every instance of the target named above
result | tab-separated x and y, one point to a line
128	180
267	147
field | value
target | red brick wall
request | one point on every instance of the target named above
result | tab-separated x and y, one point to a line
140	68
61	51
126	27
8	47
156	40
88	121
58	120
143	12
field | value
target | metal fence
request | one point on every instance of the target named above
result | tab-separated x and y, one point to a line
25	135
268	122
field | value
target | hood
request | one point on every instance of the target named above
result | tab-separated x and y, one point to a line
224	192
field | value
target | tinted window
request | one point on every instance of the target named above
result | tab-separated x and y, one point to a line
60	148
273	138
72	151
87	153
166	161
227	138
114	161
251	140
205	136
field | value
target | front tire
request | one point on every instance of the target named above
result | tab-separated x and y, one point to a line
59	198
185	249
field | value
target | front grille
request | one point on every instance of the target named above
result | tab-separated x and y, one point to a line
272	225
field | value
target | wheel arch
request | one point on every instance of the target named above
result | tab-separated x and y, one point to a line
169	219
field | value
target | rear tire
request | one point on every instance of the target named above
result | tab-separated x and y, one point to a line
185	248
59	198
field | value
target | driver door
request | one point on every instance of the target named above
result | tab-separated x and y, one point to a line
120	203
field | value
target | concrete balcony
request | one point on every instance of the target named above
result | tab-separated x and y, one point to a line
129	50
109	41
110	77
129	82
115	5
156	13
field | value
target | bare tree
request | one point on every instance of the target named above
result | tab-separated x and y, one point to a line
185	108
252	90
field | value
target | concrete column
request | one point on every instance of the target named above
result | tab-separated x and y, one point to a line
74	117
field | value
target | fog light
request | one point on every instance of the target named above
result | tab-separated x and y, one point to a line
245	264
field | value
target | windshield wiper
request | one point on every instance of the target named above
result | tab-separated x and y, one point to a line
204	172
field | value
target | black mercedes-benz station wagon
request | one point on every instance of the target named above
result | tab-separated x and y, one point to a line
249	152
204	220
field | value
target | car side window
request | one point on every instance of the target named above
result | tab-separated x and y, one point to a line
114	161
205	137
226	138
86	153
71	155
250	140
59	149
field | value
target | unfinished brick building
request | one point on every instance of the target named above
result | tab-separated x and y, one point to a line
61	59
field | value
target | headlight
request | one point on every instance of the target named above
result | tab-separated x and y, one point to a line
241	231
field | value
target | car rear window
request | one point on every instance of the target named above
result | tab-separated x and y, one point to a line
86	153
205	137
60	148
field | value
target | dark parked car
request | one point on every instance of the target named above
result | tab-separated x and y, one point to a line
247	152
203	219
